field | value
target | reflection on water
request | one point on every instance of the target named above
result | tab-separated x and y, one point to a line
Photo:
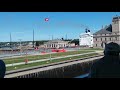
82	76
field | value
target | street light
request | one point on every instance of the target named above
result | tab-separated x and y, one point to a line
46	20
49	45
10	40
11	56
20	46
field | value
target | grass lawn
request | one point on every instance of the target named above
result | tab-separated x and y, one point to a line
92	49
38	57
48	62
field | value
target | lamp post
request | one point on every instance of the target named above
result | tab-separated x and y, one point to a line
10	41
46	20
49	46
33	38
20	46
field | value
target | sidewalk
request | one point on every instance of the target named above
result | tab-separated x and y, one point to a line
14	64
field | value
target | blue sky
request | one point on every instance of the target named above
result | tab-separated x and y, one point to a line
21	24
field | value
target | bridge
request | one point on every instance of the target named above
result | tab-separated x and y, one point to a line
65	69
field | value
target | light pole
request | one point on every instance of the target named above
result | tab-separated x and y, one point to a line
33	38
46	20
49	46
10	40
20	46
11	56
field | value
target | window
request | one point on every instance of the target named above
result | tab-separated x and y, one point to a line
105	39
101	44
101	39
116	38
115	22
96	39
110	39
54	45
96	45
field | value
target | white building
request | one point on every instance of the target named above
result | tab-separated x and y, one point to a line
71	44
55	44
58	44
86	39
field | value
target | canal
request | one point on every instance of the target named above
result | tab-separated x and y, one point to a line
83	76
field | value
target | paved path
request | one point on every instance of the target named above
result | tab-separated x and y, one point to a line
49	67
14	64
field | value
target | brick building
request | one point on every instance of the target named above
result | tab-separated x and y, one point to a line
58	44
109	33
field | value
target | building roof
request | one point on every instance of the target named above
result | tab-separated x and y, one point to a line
116	17
56	41
105	30
88	34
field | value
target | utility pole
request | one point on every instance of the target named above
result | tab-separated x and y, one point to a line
20	47
66	36
50	47
52	37
10	40
33	38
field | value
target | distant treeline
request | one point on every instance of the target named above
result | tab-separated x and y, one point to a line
40	42
37	43
76	41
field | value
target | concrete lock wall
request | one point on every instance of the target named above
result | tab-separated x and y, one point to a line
63	72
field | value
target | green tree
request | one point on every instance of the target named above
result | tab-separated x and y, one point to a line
37	43
76	41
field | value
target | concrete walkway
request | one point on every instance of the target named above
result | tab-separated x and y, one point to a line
15	64
22	73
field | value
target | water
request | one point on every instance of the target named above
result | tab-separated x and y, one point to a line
82	76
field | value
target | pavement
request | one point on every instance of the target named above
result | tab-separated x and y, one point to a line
21	63
50	68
